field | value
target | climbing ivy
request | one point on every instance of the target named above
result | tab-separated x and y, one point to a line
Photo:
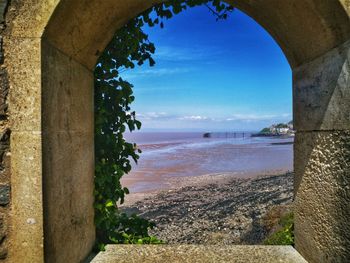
129	47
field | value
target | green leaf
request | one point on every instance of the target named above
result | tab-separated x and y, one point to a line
109	203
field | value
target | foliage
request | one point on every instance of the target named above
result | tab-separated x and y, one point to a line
282	125
284	236
132	230
265	130
129	47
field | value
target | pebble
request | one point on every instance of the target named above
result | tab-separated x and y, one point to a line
224	213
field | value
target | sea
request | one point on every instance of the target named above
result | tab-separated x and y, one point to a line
179	154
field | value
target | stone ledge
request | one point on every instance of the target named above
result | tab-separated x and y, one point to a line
198	253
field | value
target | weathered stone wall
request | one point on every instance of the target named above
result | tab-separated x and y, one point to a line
78	31
304	29
322	202
322	92
322	157
5	134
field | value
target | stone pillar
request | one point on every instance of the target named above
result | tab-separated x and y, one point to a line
322	157
68	157
26	162
25	21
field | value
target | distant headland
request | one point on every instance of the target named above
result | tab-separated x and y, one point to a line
275	130
280	129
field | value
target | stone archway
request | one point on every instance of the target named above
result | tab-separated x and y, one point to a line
51	48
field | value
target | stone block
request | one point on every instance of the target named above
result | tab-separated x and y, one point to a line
90	29
4	89
26	198
198	254
322	195
67	93
3	227
24	67
28	18
3	253
321	91
3	5
68	176
4	148
4	195
346	4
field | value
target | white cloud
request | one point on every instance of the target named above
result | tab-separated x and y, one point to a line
248	118
194	118
156	72
257	117
171	53
149	116
204	55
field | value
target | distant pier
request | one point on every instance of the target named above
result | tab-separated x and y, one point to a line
226	135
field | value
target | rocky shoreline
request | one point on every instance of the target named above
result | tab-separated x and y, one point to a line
218	209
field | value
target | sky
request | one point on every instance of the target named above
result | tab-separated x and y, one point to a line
212	76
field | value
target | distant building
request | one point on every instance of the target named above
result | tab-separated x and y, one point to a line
282	130
278	129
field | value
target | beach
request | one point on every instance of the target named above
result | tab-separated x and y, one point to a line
169	156
217	209
216	191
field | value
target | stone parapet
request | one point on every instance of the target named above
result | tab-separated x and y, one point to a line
198	254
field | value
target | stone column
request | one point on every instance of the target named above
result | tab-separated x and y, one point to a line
25	22
24	55
322	157
68	156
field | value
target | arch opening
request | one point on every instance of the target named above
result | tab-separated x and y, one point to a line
180	100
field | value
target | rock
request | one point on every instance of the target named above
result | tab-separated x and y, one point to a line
4	195
227	212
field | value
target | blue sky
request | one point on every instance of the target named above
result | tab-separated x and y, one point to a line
225	75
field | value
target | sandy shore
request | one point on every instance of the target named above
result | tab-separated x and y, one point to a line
214	209
175	183
159	164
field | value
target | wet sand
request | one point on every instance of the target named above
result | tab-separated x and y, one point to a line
162	169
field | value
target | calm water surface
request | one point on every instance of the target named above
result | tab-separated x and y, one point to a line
169	154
